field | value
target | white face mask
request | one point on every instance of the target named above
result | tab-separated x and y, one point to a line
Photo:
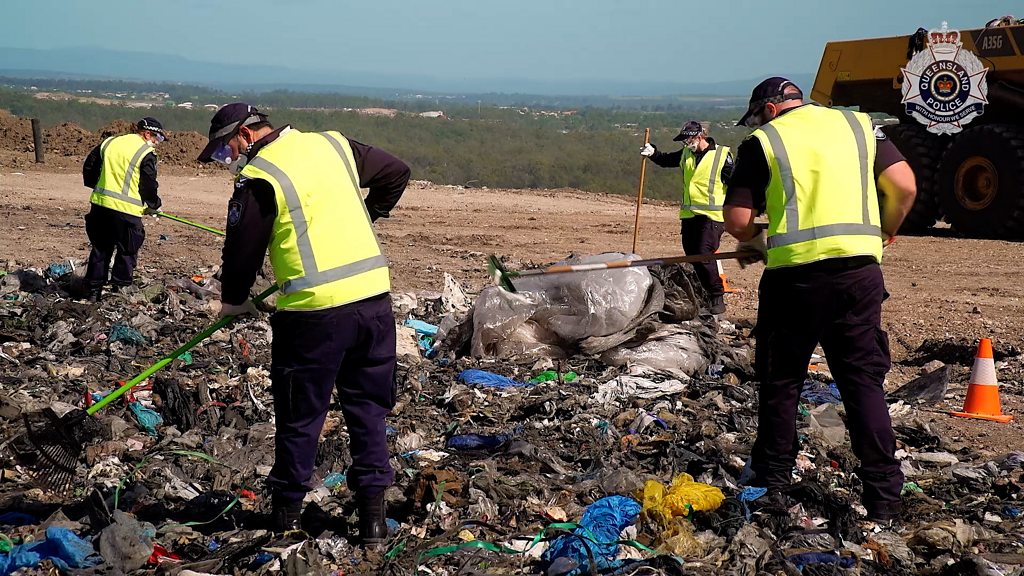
236	165
692	146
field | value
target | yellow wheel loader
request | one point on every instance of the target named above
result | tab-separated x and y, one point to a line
959	100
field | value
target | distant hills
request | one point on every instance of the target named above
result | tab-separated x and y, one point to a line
98	63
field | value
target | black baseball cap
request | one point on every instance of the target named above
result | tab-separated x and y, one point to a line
153	125
770	90
226	122
689	130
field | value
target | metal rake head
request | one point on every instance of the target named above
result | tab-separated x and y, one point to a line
55	446
499	274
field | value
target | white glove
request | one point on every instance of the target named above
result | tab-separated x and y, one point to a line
756	245
154	212
648	150
246	307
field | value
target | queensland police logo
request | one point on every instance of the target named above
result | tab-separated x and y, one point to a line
944	86
234	212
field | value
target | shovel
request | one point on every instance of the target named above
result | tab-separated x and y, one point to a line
190	223
56	442
503	277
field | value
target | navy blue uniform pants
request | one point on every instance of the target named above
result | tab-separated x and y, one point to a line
114	235
702	235
837	303
350	348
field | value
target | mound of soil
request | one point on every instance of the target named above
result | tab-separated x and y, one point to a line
182	148
15	132
116	128
69	139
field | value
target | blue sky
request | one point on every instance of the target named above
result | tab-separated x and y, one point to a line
639	40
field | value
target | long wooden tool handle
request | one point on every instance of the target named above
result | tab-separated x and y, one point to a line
640	191
170	357
563	268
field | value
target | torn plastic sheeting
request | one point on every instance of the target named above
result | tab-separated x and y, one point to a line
599	528
477	441
635	387
551	314
596	303
750	494
928	389
421	327
62	547
477	377
805	559
671	349
56	270
124	333
821	393
826	422
147	418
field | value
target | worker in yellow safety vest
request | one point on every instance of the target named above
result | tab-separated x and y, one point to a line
121	172
835	192
706	167
298	195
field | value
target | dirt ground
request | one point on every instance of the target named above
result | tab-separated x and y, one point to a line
941	287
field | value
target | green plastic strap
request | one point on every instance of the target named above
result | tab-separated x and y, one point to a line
5	543
501	548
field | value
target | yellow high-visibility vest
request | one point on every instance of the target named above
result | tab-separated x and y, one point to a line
703	190
118	186
821	199
323	248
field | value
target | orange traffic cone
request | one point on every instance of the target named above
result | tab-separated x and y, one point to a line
725	281
983	391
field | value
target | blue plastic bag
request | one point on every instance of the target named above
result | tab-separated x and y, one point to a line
147	418
477	441
600	527
62	547
805	559
821	393
490	379
421	327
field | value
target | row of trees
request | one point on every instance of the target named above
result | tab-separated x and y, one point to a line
595	149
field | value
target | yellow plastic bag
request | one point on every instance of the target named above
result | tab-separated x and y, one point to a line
684	496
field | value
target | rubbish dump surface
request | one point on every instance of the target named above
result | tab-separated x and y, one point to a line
526	464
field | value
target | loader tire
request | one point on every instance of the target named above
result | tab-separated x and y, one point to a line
982	182
923	150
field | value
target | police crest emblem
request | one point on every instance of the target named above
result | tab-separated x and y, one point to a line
944	85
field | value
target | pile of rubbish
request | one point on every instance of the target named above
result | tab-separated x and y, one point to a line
593	423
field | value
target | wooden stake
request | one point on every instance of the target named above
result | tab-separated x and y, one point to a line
37	139
640	190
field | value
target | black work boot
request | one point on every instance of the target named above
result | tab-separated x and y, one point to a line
373	528
95	294
718	305
286	517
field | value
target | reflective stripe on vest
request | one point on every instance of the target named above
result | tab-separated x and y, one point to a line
125	193
305	284
712	208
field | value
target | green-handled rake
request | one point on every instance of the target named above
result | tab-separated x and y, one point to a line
52	444
503	277
190	223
